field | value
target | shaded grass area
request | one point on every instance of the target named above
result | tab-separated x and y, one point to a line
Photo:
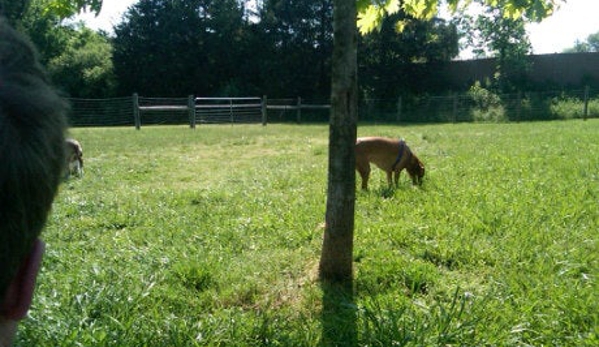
212	238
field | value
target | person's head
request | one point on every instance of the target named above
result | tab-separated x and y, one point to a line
32	127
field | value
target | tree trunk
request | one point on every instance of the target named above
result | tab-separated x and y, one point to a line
336	262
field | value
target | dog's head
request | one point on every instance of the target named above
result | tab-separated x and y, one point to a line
416	170
74	157
74	150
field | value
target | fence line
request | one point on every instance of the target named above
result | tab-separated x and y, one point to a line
297	105
101	112
231	110
523	106
162	110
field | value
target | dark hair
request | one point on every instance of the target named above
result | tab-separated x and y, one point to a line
32	126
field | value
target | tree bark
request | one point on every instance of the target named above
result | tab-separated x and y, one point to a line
336	262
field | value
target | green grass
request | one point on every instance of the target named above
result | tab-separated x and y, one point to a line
212	237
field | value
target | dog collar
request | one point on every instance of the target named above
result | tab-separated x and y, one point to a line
402	145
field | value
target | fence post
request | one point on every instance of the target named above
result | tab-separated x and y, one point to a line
191	108
399	109
585	113
231	111
136	117
298	111
264	110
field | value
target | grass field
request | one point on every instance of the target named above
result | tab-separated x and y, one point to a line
212	237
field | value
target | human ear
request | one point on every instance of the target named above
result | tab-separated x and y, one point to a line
17	300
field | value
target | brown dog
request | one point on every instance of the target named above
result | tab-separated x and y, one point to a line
389	155
74	155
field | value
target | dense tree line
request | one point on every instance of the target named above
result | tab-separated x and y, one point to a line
78	59
280	48
217	47
390	64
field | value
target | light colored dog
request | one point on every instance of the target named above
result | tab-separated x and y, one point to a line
74	156
389	155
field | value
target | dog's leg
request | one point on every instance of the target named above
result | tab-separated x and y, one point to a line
389	178
79	169
396	177
364	170
80	166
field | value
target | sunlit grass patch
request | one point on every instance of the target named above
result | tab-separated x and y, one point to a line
212	237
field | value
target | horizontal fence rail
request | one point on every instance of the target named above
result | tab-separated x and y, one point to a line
228	110
161	111
284	107
464	107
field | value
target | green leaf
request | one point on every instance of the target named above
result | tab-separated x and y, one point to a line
362	5
392	6
370	19
512	11
69	8
401	25
422	9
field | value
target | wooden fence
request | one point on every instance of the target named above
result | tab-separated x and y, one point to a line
211	110
138	111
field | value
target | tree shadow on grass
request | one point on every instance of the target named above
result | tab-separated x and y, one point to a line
339	315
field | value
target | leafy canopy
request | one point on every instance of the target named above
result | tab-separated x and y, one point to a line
372	12
69	8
